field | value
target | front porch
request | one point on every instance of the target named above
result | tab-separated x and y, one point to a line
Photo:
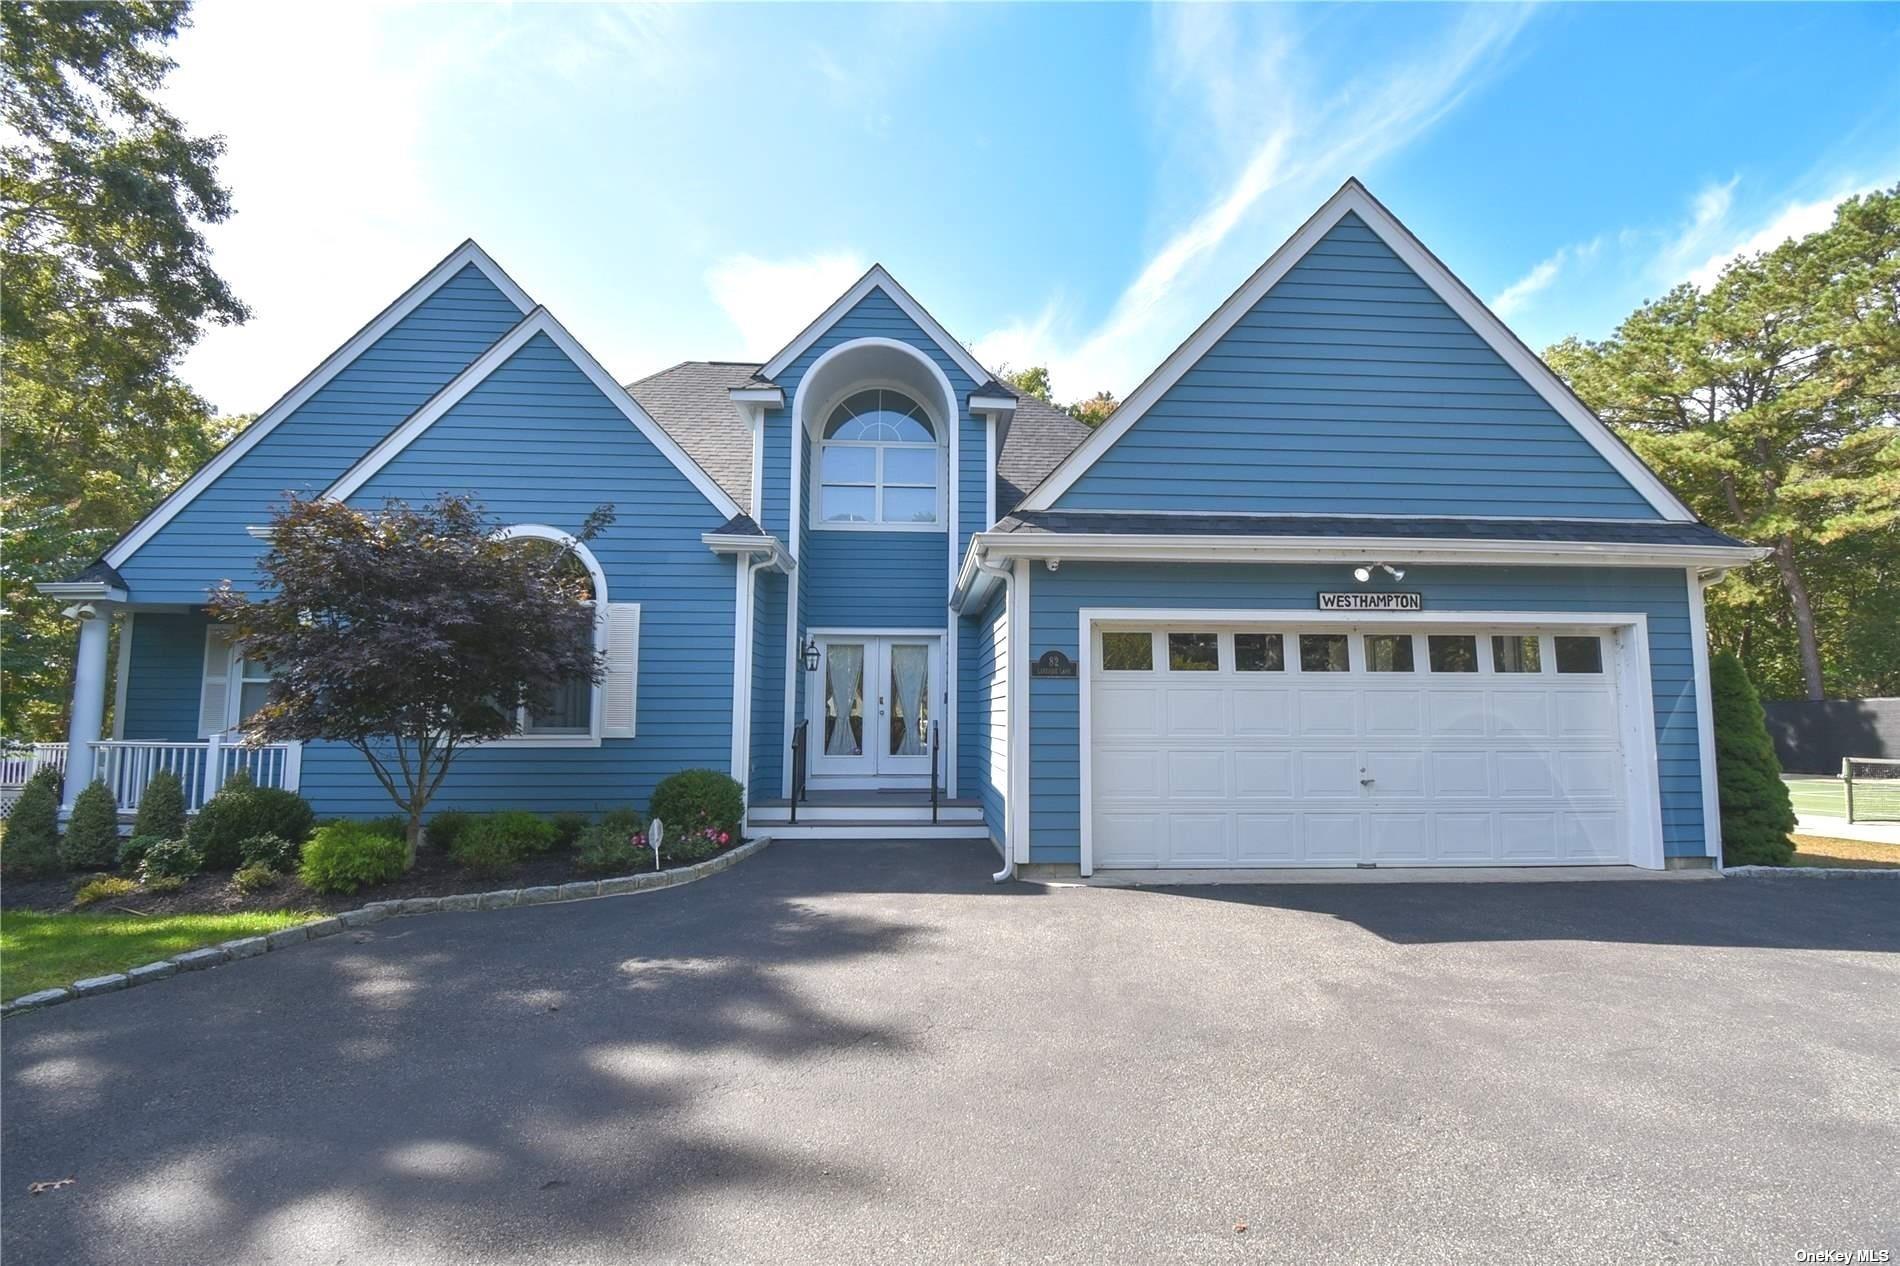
127	768
867	815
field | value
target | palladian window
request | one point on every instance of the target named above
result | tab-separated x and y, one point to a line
878	462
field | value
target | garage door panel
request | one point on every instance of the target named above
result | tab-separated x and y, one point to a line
1329	775
1262	839
1259	775
1222	767
1197	775
1263	713
1322	713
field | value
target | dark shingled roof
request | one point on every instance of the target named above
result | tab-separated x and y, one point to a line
1039	437
690	401
741	525
1631	532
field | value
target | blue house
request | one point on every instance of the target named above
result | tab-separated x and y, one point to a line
1351	579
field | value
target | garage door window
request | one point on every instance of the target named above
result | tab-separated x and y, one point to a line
1323	653
1453	652
1193	652
1259	653
1516	653
1128	652
1579	654
1388	653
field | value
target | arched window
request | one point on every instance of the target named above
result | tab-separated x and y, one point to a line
571	711
878	462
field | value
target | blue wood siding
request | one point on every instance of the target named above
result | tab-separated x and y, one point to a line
876	579
1057	599
306	452
768	684
537	442
164	676
1351	388
985	719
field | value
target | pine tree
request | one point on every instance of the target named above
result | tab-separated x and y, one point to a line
162	808
1757	813
31	847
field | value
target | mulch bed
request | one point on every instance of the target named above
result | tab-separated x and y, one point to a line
434	875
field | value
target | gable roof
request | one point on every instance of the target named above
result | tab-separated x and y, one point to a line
1035	440
463	256
875	278
538	322
1354	199
690	400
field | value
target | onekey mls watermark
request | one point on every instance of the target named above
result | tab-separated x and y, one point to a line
1844	1256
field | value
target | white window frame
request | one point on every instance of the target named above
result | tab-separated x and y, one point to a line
238	679
877	523
523	737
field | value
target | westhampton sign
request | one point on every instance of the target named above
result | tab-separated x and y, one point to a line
1372	602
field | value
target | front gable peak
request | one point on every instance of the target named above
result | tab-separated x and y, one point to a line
876	278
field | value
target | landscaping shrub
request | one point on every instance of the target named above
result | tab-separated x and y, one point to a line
163	884
627	820
568	826
170	859
1757	814
132	850
701	809
241	810
271	852
92	833
610	850
102	887
344	856
32	844
447	826
492	844
255	878
161	812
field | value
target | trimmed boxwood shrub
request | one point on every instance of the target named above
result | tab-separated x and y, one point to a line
31	847
92	833
161	811
494	843
447	826
170	859
607	849
344	856
1757	813
568	826
701	809
242	810
272	852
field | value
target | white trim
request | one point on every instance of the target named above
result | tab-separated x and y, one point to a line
992	404
540	321
123	671
598	575
769	396
989	477
877	279
945	444
1368	516
1131	547
1353	198
757	419
1705	713
940	644
1017	688
81	590
741	669
1635	692
465	254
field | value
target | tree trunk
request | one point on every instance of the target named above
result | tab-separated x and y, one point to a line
414	835
1803	615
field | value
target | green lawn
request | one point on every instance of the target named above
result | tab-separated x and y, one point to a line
1819	794
39	951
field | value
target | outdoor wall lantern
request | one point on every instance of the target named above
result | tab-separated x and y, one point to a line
809	656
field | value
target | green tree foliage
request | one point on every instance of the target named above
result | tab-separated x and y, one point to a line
161	809
409	633
1757	814
107	281
92	833
1771	403
1031	381
31	847
1094	411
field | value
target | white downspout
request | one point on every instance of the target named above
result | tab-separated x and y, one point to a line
1007	576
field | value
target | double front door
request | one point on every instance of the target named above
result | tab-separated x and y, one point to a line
872	702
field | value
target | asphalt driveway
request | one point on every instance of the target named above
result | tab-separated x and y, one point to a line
869	1053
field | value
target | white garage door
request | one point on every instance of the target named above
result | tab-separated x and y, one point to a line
1281	746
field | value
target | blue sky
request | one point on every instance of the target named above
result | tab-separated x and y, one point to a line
1074	185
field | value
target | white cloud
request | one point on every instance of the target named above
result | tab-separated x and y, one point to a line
1794	219
770	301
1513	297
1283	143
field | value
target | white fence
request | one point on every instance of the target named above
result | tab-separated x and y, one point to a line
127	766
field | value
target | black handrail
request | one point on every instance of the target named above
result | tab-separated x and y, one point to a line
935	729
798	765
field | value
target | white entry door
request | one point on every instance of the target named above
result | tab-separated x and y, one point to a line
1283	746
871	705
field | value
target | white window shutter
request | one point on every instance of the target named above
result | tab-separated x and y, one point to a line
214	700
619	689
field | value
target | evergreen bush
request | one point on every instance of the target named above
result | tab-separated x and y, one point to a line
92	833
701	809
344	856
161	809
1757	813
31	847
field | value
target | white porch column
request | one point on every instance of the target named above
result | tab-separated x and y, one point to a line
89	695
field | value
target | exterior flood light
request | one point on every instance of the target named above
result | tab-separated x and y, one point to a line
1364	572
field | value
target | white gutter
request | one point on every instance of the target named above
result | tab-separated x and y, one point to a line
1010	738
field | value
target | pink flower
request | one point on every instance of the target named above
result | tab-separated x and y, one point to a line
724	838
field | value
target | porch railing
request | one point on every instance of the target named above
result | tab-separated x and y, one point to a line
127	767
799	739
935	730
20	762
